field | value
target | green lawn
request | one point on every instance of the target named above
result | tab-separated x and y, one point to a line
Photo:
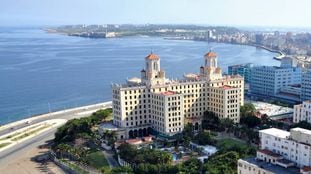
228	144
97	160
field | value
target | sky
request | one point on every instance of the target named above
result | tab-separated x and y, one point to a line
287	13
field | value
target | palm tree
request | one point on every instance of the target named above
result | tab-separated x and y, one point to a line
112	138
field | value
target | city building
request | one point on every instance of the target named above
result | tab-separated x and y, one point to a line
243	69
306	86
280	152
259	38
281	82
210	35
294	145
302	112
157	105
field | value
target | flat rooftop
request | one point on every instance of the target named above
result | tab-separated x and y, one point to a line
271	109
303	131
272	168
276	132
285	161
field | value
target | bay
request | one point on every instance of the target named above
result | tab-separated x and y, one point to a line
39	69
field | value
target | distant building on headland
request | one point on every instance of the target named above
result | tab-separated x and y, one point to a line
95	34
157	105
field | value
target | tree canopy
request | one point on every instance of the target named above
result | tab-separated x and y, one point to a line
136	156
223	163
75	127
302	124
247	108
204	138
250	120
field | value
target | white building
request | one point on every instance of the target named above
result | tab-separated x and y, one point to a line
153	103
302	112
294	145
281	152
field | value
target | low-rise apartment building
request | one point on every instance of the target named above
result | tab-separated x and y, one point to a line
281	152
294	145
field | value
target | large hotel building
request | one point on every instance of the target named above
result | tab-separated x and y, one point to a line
155	103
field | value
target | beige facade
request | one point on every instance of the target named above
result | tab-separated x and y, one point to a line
153	101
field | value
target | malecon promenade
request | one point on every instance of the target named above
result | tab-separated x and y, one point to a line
17	156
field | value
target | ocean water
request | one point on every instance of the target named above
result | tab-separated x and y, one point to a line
38	69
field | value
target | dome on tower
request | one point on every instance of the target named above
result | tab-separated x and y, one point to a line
210	54
152	56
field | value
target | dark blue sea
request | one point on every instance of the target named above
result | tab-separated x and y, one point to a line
37	68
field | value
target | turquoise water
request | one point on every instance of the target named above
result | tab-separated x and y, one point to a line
37	68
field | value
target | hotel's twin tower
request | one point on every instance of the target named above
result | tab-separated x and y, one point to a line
157	105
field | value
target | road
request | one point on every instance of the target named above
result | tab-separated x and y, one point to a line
66	114
18	159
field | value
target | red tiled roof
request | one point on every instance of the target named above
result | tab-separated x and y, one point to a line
268	152
168	93
133	141
227	87
153	57
210	54
306	169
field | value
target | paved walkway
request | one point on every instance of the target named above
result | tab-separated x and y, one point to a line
110	158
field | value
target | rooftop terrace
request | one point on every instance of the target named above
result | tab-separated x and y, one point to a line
272	168
271	109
